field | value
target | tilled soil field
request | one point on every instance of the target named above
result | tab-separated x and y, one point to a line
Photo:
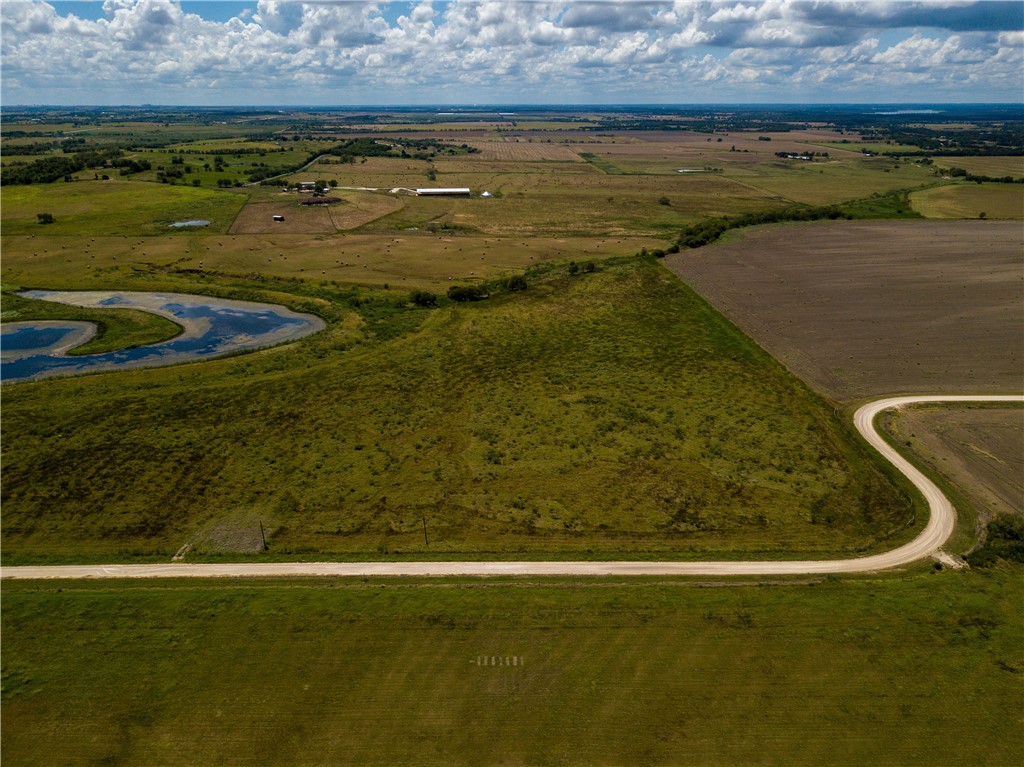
979	449
867	308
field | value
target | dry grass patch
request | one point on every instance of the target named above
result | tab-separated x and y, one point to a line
997	201
362	208
978	448
258	218
985	166
409	259
519	150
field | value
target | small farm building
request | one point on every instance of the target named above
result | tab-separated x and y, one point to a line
456	191
486	194
279	218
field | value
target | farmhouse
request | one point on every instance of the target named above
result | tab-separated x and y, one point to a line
457	191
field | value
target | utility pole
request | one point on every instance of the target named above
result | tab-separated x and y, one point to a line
263	537
425	541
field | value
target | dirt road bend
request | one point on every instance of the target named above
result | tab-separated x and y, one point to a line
941	520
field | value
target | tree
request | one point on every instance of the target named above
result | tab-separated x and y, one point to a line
664	201
45	218
466	293
516	283
423	298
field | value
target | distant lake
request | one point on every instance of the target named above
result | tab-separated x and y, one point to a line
211	327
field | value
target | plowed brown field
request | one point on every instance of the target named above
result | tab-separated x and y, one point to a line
525	151
980	449
867	308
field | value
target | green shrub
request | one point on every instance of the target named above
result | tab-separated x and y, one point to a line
1005	540
423	298
466	293
516	283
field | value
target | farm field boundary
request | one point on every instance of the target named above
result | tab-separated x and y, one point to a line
942	518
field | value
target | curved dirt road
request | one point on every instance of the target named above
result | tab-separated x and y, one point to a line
940	525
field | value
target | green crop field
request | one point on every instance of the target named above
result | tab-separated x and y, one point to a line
919	669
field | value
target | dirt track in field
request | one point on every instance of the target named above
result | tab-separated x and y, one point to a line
866	308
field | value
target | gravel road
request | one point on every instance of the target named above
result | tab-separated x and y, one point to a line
928	543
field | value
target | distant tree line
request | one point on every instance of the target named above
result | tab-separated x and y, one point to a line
978	178
893	204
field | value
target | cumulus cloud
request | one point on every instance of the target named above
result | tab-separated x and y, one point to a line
286	51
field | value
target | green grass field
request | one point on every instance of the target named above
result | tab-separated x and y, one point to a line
104	208
603	413
606	414
920	669
827	183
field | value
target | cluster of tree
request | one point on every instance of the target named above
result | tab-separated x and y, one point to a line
423	298
586	267
129	166
42	171
48	169
432	147
233	151
462	293
38	147
978	178
710	229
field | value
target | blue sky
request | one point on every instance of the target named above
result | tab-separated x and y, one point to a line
283	52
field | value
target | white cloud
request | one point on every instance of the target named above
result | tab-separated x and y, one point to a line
493	50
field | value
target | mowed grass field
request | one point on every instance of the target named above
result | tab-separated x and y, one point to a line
994	201
103	208
919	669
604	414
985	166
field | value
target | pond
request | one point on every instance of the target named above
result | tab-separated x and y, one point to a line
195	222
211	327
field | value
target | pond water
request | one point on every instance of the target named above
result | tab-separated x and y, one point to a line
196	222
211	327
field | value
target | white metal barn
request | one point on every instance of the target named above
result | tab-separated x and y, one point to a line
457	191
